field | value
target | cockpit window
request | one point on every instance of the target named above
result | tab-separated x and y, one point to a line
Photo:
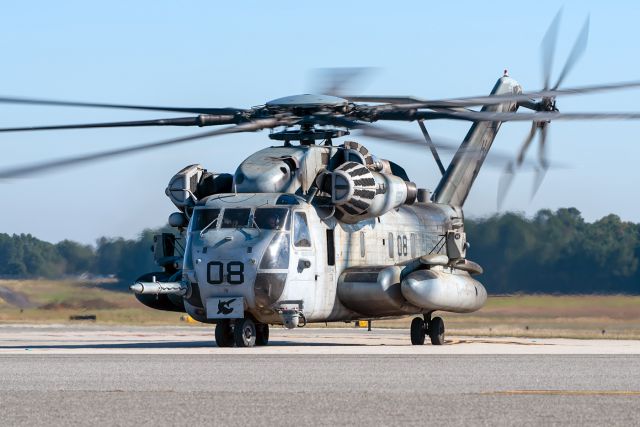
272	218
203	217
235	218
301	237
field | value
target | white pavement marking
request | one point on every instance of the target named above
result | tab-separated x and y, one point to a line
101	339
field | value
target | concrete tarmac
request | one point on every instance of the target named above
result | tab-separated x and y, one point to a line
54	375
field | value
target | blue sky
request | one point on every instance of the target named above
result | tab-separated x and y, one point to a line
245	53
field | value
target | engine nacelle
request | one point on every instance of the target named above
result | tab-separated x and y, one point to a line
359	193
193	183
374	290
442	290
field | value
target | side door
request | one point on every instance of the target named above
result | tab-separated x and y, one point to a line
302	270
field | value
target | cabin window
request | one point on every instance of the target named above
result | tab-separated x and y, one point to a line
391	246
235	218
331	249
301	236
362	245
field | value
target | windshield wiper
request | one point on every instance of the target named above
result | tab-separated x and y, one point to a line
256	224
208	226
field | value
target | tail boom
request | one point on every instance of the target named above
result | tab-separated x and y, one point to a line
456	183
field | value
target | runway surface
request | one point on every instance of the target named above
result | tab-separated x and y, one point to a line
158	376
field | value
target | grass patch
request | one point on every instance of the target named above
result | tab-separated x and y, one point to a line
536	316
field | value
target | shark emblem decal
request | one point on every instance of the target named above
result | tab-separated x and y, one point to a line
223	306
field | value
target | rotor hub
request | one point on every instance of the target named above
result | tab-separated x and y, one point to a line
308	103
308	135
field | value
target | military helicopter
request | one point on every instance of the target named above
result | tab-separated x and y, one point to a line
309	231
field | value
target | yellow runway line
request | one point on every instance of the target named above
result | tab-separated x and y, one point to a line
567	392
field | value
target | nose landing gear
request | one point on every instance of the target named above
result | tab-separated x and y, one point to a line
224	333
244	332
241	333
432	327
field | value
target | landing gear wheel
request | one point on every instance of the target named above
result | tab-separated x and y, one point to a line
262	334
436	331
418	331
224	334
244	333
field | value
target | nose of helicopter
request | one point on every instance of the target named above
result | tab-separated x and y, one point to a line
246	263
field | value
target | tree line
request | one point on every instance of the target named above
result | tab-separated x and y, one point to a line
24	256
552	252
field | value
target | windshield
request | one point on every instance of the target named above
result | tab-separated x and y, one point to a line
272	218
203	217
235	218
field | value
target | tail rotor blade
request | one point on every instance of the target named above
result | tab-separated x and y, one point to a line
542	149
504	183
576	52
539	177
548	48
526	143
509	173
544	163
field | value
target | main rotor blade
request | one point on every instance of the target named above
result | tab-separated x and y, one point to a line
488	116
334	81
411	102
41	167
548	48
576	52
387	99
33	101
201	120
494	158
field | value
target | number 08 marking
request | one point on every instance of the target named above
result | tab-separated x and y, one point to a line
235	272
402	245
234	276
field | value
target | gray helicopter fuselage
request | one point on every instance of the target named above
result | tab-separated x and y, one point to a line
301	264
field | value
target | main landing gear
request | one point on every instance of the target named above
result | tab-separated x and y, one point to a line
241	333
432	327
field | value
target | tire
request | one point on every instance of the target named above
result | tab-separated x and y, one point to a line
244	333
436	331
224	334
417	331
262	334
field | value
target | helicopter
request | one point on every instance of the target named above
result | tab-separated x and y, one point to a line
308	231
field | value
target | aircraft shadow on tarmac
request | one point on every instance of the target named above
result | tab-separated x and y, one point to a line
163	345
